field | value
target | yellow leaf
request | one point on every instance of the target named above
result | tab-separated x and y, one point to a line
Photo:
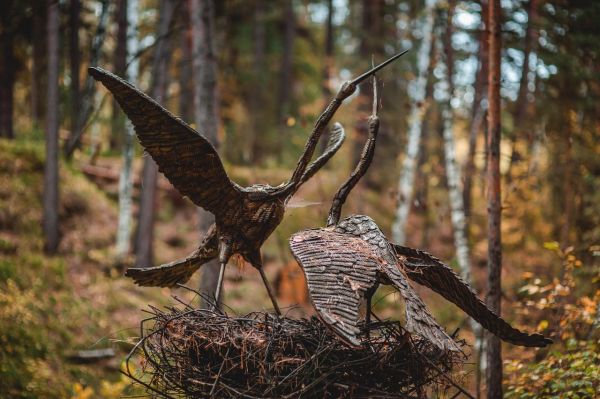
543	325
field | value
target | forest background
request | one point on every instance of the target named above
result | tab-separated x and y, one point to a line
79	201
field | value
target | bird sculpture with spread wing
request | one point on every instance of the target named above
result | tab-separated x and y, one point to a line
345	262
244	216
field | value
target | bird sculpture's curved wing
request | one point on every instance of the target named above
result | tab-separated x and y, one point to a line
418	318
427	270
183	155
340	269
336	139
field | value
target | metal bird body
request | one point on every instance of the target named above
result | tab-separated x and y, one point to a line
244	216
346	261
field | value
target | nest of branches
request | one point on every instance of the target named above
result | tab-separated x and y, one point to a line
201	353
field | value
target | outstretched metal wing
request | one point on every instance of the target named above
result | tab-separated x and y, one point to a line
183	155
339	270
418	319
336	139
427	270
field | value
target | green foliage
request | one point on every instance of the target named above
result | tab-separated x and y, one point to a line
570	311
43	316
570	373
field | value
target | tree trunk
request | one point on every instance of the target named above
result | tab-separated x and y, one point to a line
327	64
74	58
494	349
285	82
87	96
120	69
160	82
418	109
186	98
204	70
477	114
521	105
51	165
125	179
257	101
38	69
7	83
452	171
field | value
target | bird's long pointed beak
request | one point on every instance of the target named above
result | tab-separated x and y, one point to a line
377	68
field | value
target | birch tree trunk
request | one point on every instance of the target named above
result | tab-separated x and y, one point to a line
159	84
477	114
125	179
415	121
204	71
457	210
51	164
494	349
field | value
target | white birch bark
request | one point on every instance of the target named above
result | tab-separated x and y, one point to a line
417	90
125	179
457	210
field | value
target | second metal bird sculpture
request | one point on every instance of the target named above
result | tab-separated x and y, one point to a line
345	262
244	216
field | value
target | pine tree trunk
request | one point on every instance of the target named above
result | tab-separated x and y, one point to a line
204	70
125	178
186	98
160	82
75	61
51	165
87	96
7	83
418	109
494	349
521	105
285	83
120	69
257	101
39	68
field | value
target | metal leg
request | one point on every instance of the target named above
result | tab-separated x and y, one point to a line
219	289
270	291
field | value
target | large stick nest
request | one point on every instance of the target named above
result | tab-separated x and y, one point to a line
200	353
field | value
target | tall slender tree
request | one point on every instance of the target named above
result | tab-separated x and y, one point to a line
125	178
494	349
478	112
159	83
51	165
285	82
87	95
204	70
415	120
120	68
75	61
521	105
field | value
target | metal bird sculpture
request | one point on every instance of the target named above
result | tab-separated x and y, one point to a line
345	262
244	216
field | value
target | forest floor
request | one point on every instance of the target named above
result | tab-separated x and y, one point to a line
52	307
